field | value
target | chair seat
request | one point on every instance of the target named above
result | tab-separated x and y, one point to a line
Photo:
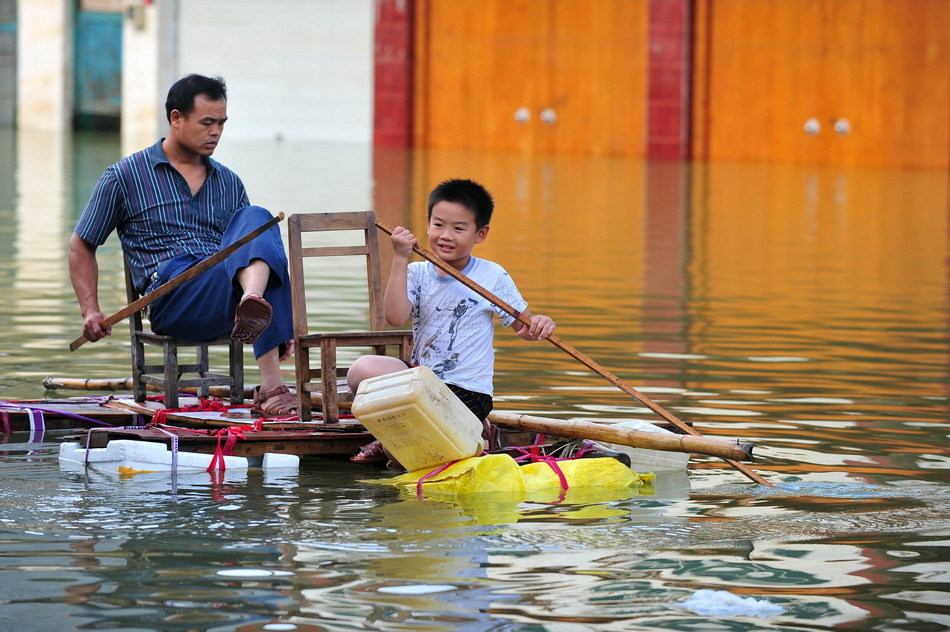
329	373
151	336
357	338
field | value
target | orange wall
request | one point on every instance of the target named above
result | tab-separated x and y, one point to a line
879	69
531	75
582	76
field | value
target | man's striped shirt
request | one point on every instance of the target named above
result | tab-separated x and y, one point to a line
149	203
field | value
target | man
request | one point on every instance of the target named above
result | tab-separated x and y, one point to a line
172	205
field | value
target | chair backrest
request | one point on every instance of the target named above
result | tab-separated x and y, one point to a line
132	295
363	243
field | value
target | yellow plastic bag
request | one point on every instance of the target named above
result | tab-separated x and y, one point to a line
474	475
495	473
603	472
494	489
588	480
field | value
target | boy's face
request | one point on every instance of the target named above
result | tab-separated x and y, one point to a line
452	233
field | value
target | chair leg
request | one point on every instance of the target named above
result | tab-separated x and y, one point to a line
203	364
405	349
138	364
331	407
236	361
304	409
171	375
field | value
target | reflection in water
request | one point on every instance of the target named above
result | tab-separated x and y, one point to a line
320	548
802	308
38	250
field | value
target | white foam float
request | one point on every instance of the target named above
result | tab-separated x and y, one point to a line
722	603
126	456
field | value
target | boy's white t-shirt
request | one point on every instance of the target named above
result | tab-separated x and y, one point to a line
452	326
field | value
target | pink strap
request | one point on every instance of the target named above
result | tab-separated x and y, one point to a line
425	477
552	463
217	461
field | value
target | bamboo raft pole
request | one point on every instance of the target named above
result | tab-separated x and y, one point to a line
125	384
596	431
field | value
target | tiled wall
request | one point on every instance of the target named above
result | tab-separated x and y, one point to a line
392	107
7	61
668	81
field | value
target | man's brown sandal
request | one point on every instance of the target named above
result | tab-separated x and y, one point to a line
251	317
277	402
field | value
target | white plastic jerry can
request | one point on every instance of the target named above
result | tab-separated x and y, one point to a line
417	418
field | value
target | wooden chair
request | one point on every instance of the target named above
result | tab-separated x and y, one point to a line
168	374
378	339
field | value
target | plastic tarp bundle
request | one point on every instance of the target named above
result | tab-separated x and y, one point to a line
577	480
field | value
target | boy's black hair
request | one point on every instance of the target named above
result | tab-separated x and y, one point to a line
469	194
181	96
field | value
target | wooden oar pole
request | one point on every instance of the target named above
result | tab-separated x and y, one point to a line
178	281
571	351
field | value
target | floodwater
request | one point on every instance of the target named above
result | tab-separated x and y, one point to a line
804	309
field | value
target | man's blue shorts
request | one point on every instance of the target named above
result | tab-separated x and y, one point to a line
202	309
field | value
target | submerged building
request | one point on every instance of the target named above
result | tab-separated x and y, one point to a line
852	82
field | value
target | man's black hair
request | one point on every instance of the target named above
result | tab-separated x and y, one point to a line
181	96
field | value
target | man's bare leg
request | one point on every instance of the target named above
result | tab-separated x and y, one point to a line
269	365
253	280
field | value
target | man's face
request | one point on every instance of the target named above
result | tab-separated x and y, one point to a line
200	131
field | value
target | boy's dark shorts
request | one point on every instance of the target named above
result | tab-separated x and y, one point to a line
479	403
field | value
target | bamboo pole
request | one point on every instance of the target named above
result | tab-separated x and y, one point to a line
667	442
125	384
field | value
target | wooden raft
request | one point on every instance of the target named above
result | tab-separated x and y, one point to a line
202	431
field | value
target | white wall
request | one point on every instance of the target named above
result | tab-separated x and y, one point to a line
300	91
149	67
295	69
44	64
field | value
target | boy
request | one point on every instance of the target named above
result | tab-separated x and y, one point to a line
452	326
